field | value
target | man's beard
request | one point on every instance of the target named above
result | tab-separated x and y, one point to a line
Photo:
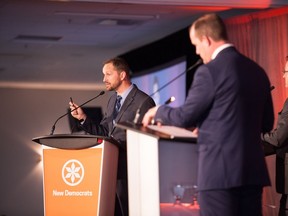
111	87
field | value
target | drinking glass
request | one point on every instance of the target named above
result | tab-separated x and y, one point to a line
178	192
192	190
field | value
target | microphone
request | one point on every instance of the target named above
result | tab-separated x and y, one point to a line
137	115
171	99
54	125
200	61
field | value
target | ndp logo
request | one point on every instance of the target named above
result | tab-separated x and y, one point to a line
73	172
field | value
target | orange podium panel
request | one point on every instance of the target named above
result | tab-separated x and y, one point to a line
80	180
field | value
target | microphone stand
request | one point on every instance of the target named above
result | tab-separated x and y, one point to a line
170	99
54	125
175	78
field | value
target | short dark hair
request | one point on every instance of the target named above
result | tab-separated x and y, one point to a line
211	25
120	64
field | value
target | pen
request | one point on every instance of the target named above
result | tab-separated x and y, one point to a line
71	100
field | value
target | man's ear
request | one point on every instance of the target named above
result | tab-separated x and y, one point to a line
123	75
206	40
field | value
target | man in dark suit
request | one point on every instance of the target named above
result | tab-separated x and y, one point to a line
116	78
278	138
230	103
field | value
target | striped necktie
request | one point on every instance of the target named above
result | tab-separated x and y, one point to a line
117	106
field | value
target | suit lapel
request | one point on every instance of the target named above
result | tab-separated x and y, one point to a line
110	111
129	99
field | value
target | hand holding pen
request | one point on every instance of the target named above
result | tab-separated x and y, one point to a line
76	111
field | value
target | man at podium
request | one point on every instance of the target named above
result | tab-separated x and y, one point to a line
231	104
122	106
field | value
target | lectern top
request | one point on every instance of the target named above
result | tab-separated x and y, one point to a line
163	132
70	141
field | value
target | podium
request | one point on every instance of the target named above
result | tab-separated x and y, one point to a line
158	160
79	174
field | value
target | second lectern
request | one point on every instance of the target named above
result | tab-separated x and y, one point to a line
79	175
158	160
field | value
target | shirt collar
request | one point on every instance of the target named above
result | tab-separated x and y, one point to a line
219	49
125	94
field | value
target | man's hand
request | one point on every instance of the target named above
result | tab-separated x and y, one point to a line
77	113
149	116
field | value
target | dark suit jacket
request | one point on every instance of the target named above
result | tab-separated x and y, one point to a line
135	99
230	102
279	139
